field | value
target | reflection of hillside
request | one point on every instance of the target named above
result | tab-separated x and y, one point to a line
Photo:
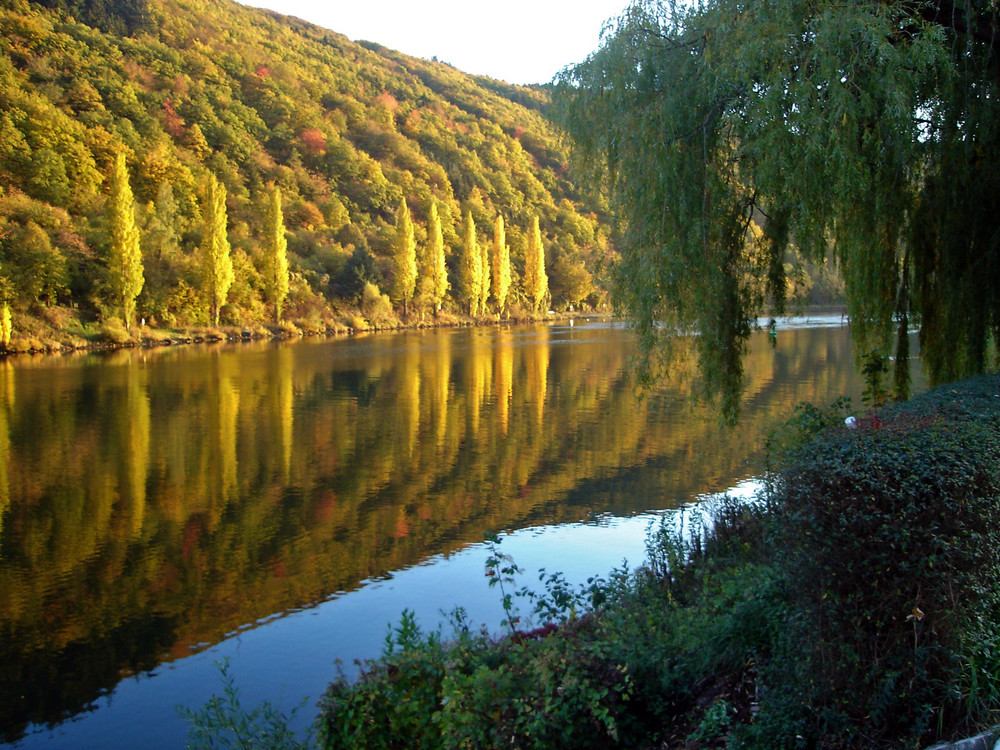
161	502
6	405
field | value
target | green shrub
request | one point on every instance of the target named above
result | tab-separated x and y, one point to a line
560	689
376	306
155	335
555	687
113	331
887	539
357	323
289	329
393	702
616	661
223	722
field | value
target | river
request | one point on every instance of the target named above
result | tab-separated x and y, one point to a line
277	505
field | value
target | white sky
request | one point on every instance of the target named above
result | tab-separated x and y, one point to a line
518	41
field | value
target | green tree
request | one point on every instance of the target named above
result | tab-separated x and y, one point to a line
470	271
404	258
218	265
119	17
15	151
868	132
162	231
501	266
49	180
569	280
276	253
125	277
536	282
36	270
163	261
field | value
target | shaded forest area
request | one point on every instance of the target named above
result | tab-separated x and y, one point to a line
351	135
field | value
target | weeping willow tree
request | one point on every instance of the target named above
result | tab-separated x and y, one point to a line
864	132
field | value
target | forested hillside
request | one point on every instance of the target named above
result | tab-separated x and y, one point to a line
277	171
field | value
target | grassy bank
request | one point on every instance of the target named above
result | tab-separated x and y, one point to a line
62	330
855	606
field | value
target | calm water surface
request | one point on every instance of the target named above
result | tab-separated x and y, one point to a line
277	505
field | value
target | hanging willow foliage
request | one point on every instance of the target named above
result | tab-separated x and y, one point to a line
865	132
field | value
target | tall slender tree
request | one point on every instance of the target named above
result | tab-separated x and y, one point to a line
276	249
125	277
470	266
501	266
536	281
404	258
438	269
215	248
6	326
484	278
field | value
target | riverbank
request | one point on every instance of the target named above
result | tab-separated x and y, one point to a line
850	608
58	330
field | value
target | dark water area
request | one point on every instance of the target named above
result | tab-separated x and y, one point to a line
278	504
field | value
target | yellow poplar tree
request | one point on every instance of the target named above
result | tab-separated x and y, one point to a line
219	274
404	258
536	282
501	266
276	247
484	278
125	277
6	327
438	269
470	266
6	324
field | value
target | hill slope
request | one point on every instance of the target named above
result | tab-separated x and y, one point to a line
191	87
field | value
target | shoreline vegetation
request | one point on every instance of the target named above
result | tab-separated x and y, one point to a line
62	332
848	607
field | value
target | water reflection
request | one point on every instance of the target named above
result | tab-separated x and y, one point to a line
151	502
6	404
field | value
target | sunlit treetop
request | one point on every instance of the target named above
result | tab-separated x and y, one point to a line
866	132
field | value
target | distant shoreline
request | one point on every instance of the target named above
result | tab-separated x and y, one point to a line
90	338
74	336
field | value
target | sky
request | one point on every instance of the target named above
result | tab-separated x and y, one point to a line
518	41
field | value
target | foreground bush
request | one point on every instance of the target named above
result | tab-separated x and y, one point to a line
887	539
540	690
